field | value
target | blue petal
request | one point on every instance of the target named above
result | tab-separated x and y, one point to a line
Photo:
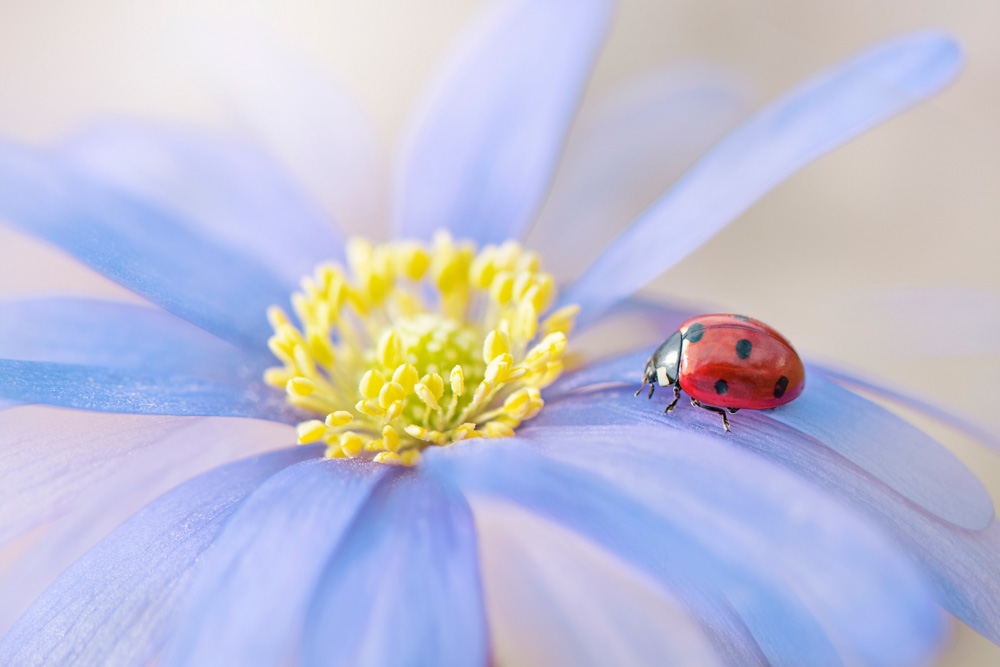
404	585
140	246
623	152
555	598
220	188
316	128
115	605
251	593
107	389
82	488
823	113
483	150
50	457
872	604
80	330
825	415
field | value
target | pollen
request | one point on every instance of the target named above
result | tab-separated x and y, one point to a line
412	346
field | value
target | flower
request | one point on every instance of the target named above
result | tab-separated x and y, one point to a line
828	531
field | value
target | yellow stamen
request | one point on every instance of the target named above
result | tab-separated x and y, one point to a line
416	346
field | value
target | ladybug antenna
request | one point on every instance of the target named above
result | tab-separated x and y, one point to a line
642	387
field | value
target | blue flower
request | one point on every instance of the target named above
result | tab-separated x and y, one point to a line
828	531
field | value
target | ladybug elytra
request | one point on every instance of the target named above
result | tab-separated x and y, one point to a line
726	362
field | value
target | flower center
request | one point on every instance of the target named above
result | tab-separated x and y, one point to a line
416	346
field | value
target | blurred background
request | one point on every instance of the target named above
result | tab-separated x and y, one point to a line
881	256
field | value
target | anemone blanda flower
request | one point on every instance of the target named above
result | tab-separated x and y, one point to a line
828	531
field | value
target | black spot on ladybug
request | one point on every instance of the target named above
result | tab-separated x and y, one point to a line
743	347
780	386
741	318
695	332
721	387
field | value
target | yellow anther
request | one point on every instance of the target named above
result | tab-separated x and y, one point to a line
418	432
310	431
508	254
370	407
391	392
406	376
280	349
495	429
466	431
390	349
426	395
414	261
277	377
433	382
388	457
359	255
517	404
546	285
555	342
410	457
526	320
300	386
498	368
375	445
523	281
483	268
339	418
514	374
276	317
529	261
502	287
496	343
371	384
333	451
393	411
482	392
351	444
457	381
321	348
561	320
390	438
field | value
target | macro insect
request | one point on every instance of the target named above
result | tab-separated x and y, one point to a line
726	363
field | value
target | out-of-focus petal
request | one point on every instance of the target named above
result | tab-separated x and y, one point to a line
140	246
629	325
106	389
816	117
115	605
963	423
86	498
50	457
867	435
318	130
881	615
223	188
80	330
622	155
554	598
404	585
483	148
250	596
734	502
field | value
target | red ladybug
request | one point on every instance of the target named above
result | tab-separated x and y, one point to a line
726	362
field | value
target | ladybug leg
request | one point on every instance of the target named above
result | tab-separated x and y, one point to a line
725	420
677	395
652	386
733	411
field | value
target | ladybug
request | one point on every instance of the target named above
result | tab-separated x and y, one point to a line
726	362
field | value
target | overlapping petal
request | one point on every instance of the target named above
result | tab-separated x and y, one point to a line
879	611
814	118
873	439
249	601
622	154
484	147
145	248
79	488
115	605
404	576
225	189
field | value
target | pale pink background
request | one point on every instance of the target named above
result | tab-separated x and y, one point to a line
831	257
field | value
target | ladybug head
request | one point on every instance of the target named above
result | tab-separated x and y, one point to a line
664	366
